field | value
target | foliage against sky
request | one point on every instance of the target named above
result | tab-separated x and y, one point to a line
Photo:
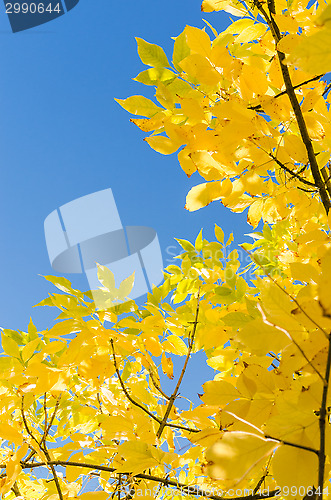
249	111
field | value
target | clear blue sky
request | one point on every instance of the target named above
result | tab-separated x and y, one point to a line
63	136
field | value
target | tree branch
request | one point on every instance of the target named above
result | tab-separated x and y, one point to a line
319	183
193	490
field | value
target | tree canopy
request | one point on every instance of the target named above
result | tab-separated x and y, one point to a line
247	109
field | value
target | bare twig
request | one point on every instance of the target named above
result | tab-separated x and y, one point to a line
135	403
322	421
174	394
53	415
258	107
157	386
293	445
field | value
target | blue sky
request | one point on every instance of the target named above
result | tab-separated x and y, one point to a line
63	136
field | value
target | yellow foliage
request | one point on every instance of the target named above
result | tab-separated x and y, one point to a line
248	113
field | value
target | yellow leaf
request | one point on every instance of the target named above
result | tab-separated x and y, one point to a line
304	272
251	33
192	109
126	287
138	456
203	194
73	473
94	495
216	5
324	285
295	467
139	105
54	347
162	144
184	158
255	212
313	53
167	366
288	43
151	54
206	437
181	50
219	393
175	345
260	338
199	67
29	349
11	434
198	40
236	455
295	148
219	233
10	346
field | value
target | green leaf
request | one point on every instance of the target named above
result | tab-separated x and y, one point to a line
151	54
152	76
186	245
139	105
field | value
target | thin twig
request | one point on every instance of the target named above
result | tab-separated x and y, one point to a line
286	293
174	394
42	446
269	323
258	107
293	445
26	424
135	403
51	465
53	415
15	489
293	174
327	88
156	385
44	437
326	177
322	420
